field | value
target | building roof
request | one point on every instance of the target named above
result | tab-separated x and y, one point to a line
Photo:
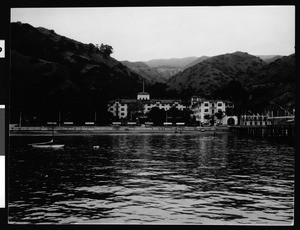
151	101
214	101
143	93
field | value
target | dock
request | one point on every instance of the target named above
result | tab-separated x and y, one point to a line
268	131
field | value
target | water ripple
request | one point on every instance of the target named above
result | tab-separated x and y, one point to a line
155	179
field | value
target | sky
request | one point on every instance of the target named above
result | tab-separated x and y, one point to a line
145	33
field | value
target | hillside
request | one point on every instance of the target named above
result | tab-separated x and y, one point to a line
145	71
50	72
174	62
207	76
275	83
241	77
169	67
198	60
269	58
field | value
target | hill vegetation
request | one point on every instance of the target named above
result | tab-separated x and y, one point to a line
198	60
215	72
223	76
51	73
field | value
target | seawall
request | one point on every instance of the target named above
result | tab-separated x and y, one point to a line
98	130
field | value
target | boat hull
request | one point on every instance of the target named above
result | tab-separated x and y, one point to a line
54	146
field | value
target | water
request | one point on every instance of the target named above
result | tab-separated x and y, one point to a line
152	179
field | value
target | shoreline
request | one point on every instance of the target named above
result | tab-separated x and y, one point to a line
102	130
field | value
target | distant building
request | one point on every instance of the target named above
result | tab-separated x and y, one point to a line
121	107
254	120
201	107
272	115
143	96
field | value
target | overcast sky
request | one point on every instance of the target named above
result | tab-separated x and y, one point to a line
142	33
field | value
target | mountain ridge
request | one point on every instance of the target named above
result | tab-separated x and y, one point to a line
52	71
151	74
255	76
174	62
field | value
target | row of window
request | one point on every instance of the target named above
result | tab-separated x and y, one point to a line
206	110
206	104
147	108
156	103
255	123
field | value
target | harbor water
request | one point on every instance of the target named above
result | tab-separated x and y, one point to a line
151	179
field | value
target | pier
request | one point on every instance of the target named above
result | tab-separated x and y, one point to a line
268	131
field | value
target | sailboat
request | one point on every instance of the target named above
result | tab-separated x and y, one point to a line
48	144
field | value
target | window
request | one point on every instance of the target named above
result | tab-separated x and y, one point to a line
205	110
220	104
206	104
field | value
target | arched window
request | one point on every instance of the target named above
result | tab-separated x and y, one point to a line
230	121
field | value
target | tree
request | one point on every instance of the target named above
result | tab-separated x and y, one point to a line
135	108
210	118
157	115
175	114
219	115
91	48
107	50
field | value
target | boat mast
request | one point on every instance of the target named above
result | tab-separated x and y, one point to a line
20	119
59	118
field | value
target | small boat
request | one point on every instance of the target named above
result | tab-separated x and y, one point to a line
202	130
48	146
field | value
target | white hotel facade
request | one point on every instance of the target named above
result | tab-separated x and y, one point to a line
202	107
120	107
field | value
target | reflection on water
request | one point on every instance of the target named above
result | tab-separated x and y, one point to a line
151	178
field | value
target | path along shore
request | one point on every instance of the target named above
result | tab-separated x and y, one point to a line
98	130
